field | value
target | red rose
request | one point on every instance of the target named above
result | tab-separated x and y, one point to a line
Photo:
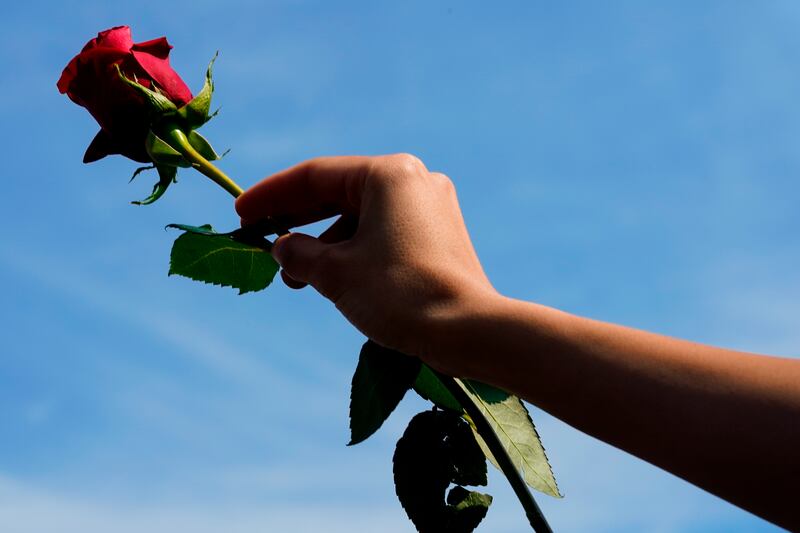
92	81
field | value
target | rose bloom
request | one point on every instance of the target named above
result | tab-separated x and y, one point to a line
91	80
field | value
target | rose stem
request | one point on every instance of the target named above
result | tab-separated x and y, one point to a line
203	165
535	517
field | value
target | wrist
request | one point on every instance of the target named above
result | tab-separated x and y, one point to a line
460	337
500	340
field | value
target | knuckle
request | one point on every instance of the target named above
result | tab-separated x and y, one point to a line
407	163
397	169
443	182
311	165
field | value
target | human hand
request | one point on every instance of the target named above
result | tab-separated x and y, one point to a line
398	262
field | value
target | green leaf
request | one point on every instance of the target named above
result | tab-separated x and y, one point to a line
471	507
248	235
195	113
162	153
253	234
512	423
381	379
203	147
431	388
159	104
166	176
438	449
218	259
198	230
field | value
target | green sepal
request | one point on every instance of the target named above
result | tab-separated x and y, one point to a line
140	170
202	146
195	113
159	104
167	175
162	153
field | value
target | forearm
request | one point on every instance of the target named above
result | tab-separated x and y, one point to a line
726	421
400	266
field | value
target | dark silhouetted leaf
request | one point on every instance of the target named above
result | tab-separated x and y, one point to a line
438	449
381	379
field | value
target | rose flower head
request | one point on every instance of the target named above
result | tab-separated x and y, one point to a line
143	107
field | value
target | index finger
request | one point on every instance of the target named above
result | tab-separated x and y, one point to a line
310	191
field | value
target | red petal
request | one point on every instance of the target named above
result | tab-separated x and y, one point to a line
118	38
87	77
159	69
69	73
157	47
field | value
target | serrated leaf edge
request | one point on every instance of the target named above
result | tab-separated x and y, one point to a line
553	486
250	249
372	387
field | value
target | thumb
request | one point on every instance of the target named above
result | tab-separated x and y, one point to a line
300	256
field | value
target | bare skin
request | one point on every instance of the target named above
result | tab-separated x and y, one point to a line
399	265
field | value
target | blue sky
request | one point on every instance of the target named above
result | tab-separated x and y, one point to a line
628	162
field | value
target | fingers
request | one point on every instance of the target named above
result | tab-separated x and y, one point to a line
307	260
342	229
311	191
297	253
291	282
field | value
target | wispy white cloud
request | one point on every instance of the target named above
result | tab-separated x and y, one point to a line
254	404
24	509
198	344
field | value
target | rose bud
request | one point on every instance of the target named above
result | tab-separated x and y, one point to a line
145	110
91	80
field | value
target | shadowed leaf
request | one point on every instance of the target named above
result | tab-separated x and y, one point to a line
438	449
430	388
381	379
